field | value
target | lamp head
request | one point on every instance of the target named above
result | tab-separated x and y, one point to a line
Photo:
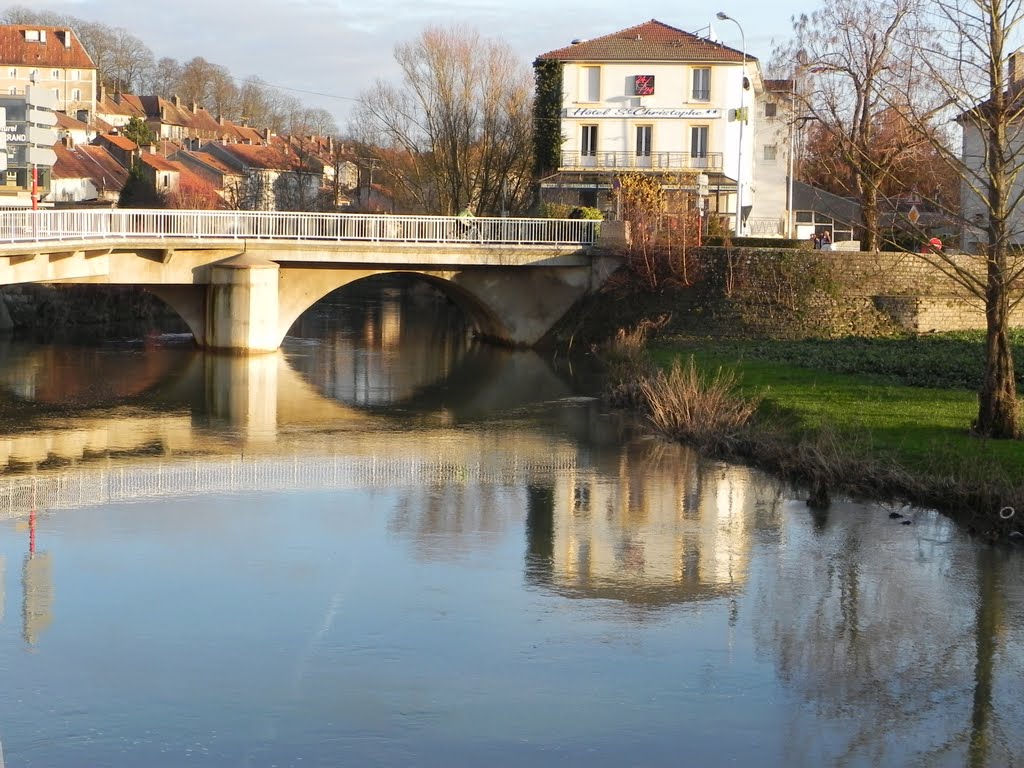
722	15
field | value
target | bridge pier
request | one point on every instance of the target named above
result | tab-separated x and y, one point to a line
242	306
6	323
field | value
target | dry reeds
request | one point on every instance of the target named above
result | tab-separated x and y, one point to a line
684	405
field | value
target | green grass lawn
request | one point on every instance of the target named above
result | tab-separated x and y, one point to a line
861	389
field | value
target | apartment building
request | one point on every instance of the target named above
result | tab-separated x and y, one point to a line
656	99
53	58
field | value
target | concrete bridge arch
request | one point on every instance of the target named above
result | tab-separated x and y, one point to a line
251	302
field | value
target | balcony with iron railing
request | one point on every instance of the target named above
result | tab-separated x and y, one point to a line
653	161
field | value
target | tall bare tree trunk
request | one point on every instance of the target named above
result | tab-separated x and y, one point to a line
998	409
869	218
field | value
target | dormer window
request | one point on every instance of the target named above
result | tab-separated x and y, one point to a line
35	35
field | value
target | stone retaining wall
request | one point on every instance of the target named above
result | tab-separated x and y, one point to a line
919	296
836	292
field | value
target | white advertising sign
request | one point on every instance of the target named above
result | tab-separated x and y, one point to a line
644	112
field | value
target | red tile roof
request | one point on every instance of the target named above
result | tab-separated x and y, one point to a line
119	104
213	162
158	162
267	158
15	50
87	161
650	41
121	142
70	123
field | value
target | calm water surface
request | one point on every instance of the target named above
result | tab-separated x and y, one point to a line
388	546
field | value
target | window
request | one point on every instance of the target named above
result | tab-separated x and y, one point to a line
643	140
770	151
12	91
590	87
75	74
588	140
701	84
33	75
76	94
56	93
699	141
55	74
32	35
12	72
770	109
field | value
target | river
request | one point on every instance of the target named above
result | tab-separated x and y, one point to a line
391	546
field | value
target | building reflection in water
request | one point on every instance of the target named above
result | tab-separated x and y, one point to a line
659	527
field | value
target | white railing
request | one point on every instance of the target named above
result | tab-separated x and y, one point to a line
89	486
58	225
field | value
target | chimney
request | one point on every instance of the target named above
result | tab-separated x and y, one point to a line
117	97
175	100
103	93
195	108
1015	69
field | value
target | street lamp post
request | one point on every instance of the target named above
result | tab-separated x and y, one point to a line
741	114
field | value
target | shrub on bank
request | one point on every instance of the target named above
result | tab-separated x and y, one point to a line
684	404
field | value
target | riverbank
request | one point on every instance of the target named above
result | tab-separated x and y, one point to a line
880	415
853	416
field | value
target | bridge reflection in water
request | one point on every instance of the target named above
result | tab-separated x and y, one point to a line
473	515
650	525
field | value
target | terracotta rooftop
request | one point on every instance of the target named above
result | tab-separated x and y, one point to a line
70	123
210	161
87	161
650	41
121	142
158	162
17	49
118	104
269	158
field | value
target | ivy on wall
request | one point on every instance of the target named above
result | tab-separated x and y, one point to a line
547	114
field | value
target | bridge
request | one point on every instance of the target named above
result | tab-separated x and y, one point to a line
240	279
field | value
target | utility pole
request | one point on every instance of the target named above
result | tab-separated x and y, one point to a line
741	115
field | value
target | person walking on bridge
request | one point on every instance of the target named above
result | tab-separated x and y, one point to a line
467	227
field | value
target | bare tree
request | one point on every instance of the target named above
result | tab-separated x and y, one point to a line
164	78
130	59
19	14
195	83
848	55
458	129
977	83
223	97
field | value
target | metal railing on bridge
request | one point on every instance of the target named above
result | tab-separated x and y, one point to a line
75	224
87	486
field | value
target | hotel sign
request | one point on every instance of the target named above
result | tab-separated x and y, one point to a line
644	112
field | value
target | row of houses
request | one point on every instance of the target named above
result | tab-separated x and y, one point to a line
684	108
194	153
244	168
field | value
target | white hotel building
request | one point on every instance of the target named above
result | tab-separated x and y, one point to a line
656	99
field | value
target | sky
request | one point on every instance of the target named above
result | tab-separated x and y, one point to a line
337	49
